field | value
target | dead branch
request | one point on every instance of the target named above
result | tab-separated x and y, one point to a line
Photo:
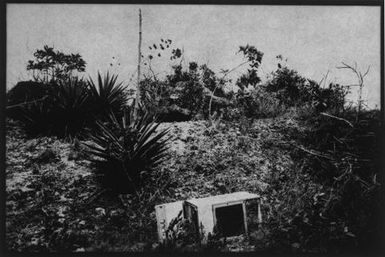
220	84
360	77
324	78
312	152
338	118
21	104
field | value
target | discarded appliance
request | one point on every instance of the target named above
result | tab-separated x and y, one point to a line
227	214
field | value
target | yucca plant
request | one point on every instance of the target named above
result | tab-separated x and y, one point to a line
126	151
107	95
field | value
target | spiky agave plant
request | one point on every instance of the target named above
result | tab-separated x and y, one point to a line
127	151
107	95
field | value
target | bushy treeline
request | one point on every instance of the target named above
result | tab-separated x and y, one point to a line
196	92
193	92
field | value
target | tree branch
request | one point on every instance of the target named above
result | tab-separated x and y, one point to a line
338	118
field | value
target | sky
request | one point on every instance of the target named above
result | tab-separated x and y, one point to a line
314	39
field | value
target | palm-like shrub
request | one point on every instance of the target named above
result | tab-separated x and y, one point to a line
127	151
107	95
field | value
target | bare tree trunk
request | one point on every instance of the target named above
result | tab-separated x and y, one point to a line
137	99
360	98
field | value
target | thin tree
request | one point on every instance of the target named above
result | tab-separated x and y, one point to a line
137	100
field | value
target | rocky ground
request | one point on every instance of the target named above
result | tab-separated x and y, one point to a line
53	202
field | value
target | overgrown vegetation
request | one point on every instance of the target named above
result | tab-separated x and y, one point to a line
127	151
314	160
52	66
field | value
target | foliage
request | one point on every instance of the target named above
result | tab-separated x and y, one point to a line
183	236
107	95
128	151
254	58
294	90
287	84
184	94
37	116
332	199
68	106
162	46
53	66
63	113
71	113
197	89
308	204
316	167
255	104
25	91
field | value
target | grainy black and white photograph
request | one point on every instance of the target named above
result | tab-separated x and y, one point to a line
194	128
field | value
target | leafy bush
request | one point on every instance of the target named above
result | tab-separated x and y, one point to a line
294	90
182	95
54	66
127	151
254	58
259	104
287	84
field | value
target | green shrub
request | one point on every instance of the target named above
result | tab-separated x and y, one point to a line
127	151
